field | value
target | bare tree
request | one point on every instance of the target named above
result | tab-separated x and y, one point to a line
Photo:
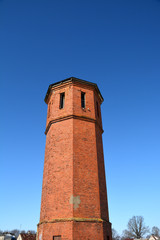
136	228
31	231
115	235
6	231
15	232
156	231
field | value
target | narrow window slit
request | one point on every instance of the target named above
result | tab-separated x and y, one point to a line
97	109
83	100
62	97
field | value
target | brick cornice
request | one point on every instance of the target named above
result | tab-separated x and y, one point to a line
83	118
72	80
73	219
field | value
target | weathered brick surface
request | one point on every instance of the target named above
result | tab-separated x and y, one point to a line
74	186
58	172
85	170
64	229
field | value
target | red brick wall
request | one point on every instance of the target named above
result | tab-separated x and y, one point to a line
64	229
58	172
54	102
85	231
85	169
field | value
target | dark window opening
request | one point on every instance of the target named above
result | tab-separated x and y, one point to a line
108	237
97	109
83	100
57	238
62	96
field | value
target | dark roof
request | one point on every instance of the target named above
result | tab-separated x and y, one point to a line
72	79
7	237
28	236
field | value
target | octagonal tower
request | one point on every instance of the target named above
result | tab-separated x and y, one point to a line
74	198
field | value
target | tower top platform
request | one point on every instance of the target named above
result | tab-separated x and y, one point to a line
73	80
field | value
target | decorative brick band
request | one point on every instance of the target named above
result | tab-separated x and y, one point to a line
74	219
69	117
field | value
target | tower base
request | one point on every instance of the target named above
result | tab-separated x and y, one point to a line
69	229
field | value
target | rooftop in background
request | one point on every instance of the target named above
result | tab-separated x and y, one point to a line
26	236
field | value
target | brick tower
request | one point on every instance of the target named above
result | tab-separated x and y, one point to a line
74	197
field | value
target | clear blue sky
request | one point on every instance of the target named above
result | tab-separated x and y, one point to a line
114	43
